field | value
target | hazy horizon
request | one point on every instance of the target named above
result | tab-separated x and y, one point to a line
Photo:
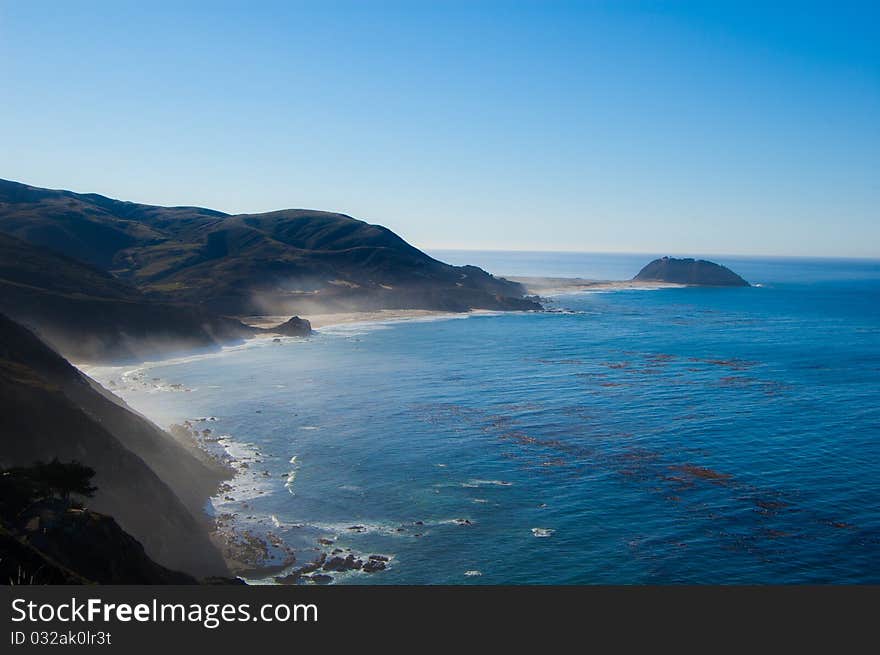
429	250
603	127
432	249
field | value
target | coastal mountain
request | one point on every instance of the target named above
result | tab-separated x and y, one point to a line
283	262
90	315
694	272
153	485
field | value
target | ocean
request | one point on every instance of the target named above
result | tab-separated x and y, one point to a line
681	435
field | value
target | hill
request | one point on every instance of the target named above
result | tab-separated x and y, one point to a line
283	262
90	315
696	272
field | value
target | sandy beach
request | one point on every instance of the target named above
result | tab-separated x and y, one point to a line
548	286
539	286
319	321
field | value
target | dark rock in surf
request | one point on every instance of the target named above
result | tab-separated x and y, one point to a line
297	574
374	565
291	578
349	563
313	566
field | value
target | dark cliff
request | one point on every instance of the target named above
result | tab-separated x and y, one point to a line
68	545
153	485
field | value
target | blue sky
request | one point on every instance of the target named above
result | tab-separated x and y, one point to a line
691	128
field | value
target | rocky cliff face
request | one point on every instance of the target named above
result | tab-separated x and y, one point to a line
696	272
55	544
153	485
22	564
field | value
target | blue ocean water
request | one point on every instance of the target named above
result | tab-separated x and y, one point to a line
670	436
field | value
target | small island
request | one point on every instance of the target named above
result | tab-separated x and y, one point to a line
693	272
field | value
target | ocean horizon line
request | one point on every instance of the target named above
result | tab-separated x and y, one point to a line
681	253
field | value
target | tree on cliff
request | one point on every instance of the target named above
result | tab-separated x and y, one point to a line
21	486
62	479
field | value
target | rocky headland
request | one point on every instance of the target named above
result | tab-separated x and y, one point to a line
690	272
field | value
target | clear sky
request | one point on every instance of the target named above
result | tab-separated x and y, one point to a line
713	127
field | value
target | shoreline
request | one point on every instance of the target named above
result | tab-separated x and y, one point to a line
319	321
554	286
251	549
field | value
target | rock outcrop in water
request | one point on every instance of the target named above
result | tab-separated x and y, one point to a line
693	272
294	327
